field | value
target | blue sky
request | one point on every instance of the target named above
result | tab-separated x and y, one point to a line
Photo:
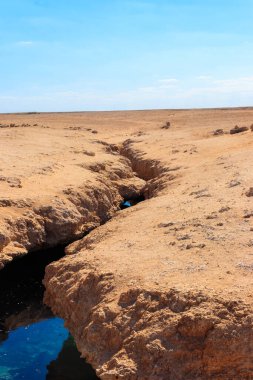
125	54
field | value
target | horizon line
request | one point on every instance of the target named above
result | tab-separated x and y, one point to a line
128	110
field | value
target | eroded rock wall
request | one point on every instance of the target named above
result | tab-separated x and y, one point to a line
68	213
146	334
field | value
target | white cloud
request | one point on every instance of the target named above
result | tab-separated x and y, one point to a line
7	97
235	83
140	4
181	94
166	83
160	85
25	43
147	89
215	93
204	77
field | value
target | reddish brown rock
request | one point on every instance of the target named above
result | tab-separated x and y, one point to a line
249	193
237	129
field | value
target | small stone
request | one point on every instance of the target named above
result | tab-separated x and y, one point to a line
212	216
183	237
166	224
237	129
234	183
218	132
224	209
166	125
249	193
248	214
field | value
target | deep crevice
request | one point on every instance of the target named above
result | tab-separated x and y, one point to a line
21	289
22	308
126	203
152	171
21	281
32	340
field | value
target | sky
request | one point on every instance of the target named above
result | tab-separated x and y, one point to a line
84	55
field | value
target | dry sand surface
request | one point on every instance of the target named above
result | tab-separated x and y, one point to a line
162	290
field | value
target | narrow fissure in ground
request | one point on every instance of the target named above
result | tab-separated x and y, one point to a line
126	203
34	343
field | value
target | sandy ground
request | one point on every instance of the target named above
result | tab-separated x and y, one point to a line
163	290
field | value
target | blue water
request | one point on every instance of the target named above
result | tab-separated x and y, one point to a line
28	350
126	204
131	202
34	344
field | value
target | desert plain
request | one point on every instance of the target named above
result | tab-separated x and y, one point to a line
160	290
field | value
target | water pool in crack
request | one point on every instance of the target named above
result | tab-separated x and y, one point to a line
131	202
33	343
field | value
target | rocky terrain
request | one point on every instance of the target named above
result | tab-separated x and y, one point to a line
161	290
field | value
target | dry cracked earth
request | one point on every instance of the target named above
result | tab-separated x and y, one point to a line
161	290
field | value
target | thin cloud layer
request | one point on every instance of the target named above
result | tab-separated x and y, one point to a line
25	43
122	55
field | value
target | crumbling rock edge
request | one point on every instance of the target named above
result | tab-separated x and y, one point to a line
39	224
139	333
68	216
150	334
156	175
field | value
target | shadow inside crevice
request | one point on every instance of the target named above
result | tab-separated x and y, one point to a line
21	288
68	365
34	344
131	202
